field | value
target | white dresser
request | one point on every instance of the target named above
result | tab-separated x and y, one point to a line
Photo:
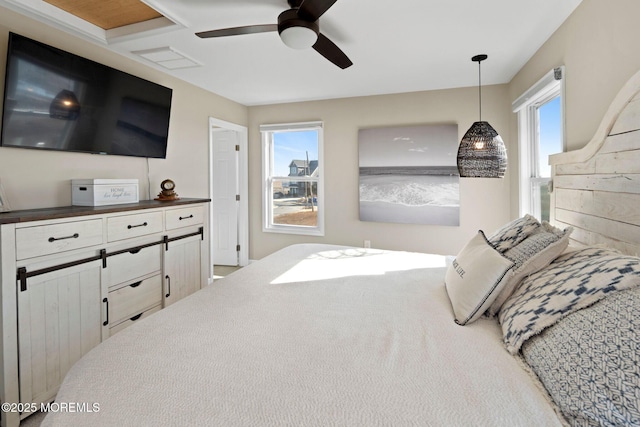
74	276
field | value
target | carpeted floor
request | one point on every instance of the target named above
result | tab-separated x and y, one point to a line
219	271
33	420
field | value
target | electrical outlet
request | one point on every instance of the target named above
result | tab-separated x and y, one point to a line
367	243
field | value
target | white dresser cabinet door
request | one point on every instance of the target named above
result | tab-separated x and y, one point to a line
182	269
59	320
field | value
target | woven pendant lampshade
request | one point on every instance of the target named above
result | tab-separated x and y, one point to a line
481	153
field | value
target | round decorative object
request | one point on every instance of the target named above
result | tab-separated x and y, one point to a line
167	193
167	184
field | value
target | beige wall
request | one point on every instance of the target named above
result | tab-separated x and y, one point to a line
484	202
598	45
33	179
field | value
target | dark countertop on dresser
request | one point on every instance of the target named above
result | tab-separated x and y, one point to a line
75	211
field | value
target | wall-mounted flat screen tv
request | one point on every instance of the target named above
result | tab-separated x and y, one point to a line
55	100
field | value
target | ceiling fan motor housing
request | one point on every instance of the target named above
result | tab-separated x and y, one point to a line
301	34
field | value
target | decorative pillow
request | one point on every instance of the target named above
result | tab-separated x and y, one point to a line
572	281
532	254
513	233
475	278
590	364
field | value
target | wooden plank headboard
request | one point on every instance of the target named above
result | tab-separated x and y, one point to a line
597	189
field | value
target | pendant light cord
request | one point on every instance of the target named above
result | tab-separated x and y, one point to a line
480	90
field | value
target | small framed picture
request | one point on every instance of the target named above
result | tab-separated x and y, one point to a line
4	203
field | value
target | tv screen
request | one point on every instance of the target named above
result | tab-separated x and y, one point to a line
55	100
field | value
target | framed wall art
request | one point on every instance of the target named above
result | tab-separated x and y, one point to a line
408	174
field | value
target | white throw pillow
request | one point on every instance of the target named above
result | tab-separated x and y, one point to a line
475	278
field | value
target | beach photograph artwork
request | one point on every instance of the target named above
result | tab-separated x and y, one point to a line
409	175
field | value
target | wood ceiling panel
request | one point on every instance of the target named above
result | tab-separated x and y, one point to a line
107	14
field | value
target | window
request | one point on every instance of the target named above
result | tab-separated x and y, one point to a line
293	199
540	127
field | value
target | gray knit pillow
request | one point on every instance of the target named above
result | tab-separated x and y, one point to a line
532	254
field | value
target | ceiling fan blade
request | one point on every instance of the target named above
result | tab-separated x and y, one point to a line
311	10
329	50
236	31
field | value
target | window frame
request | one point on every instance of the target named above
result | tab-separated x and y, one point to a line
526	106
268	226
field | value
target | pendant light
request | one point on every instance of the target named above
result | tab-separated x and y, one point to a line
481	153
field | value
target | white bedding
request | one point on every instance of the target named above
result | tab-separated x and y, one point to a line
311	335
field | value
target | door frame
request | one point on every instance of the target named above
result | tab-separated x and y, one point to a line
243	188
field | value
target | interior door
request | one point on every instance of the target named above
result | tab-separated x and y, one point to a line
224	202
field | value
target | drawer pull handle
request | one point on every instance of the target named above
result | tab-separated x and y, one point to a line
168	286
135	285
185	217
144	224
136	317
134	251
106	322
53	239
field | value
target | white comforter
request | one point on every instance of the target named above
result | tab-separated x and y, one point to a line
312	335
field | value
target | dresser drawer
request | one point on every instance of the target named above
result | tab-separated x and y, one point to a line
53	238
133	319
177	218
130	265
135	298
127	226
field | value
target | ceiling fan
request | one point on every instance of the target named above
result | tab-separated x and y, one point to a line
298	28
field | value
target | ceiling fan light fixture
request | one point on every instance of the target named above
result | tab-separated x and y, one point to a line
296	32
299	37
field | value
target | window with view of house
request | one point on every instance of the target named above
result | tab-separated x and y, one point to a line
540	127
293	186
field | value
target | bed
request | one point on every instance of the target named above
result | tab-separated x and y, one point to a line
532	324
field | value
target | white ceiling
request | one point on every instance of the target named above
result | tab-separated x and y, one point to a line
403	46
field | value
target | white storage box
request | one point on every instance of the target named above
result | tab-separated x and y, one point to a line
99	192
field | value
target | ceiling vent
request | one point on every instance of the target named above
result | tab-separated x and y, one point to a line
168	57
